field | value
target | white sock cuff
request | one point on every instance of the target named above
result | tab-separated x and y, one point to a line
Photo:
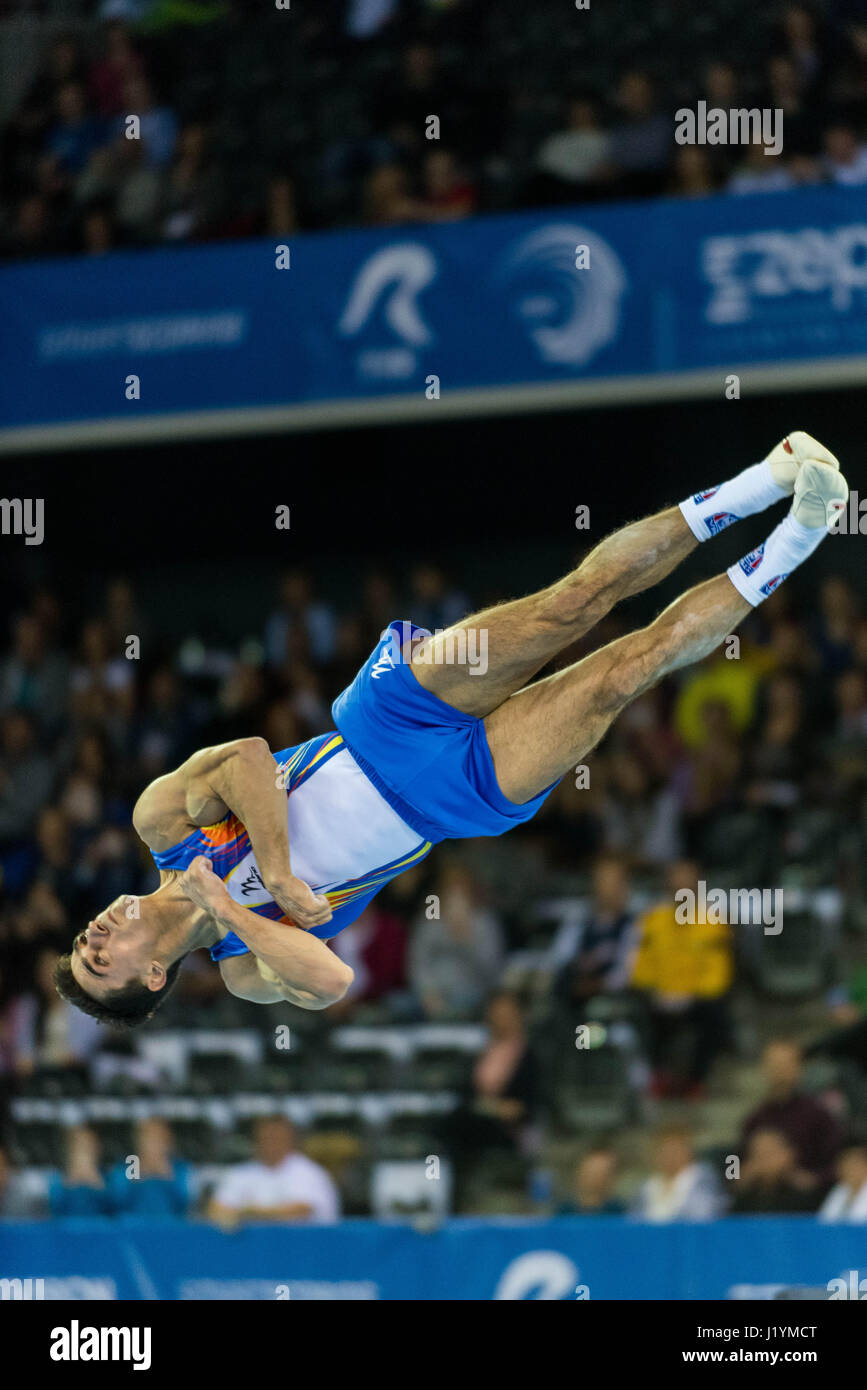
743	586
714	510
693	520
758	574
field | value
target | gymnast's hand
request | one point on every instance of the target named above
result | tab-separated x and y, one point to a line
302	906
203	887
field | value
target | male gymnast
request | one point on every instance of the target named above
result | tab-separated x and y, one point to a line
263	857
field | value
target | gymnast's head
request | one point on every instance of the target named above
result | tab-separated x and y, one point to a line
120	968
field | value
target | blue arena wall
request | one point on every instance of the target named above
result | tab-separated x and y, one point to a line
675	295
610	1258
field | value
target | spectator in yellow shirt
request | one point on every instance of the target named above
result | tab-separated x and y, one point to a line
684	970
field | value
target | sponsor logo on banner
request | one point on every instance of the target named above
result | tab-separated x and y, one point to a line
385	298
570	314
756	270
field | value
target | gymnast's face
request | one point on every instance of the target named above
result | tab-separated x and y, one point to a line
115	948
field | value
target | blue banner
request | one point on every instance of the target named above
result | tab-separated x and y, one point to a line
602	1258
560	302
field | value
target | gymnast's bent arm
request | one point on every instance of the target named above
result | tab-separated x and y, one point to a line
241	777
289	964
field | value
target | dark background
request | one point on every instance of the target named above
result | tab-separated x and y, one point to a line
201	514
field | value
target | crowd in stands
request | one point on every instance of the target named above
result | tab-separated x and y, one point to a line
392	112
750	768
792	1157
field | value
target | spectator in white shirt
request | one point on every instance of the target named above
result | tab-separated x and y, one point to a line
681	1189
575	154
847	1200
845	156
279	1184
760	173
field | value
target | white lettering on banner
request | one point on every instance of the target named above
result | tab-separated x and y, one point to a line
262	1290
541	1274
167	333
776	264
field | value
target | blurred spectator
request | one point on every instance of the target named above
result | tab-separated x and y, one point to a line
836	623
279	1184
123	616
847	1039
641	813
32	232
49	1031
594	1185
801	45
98	230
850	694
780	753
191	196
364	18
161	1184
34	678
505	1077
574	155
497	1116
721	85
770	1180
845	156
281	214
158	124
718	680
680	1188
642	142
808	1125
760	172
434	602
63	63
447	194
303	619
456	949
387	199
692	174
712	775
118	65
80	1190
685	970
847	1200
57	868
846	745
374	945
76	134
798	119
26	777
17	1200
163	731
404	104
102	679
598	952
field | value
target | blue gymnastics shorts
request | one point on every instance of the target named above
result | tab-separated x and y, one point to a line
431	762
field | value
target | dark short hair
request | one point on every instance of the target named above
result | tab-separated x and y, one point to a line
123	1008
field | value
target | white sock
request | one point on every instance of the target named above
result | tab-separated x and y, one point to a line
762	571
709	512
